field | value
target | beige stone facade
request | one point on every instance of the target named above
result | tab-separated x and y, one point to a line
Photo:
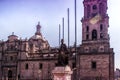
27	59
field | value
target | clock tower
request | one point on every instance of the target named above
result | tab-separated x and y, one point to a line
96	58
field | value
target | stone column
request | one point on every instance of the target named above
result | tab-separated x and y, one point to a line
62	73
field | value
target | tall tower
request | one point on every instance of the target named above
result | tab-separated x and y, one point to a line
96	60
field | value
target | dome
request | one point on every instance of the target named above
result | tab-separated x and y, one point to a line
37	41
36	37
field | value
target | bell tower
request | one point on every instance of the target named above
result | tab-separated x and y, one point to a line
96	58
95	21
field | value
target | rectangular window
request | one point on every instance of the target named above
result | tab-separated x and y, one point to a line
97	78
93	65
40	66
73	65
87	28
87	37
101	27
26	66
56	64
11	58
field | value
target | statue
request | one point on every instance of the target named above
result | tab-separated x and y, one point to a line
63	55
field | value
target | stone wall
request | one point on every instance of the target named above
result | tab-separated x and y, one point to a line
33	71
102	66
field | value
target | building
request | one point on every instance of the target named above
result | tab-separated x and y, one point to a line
96	58
33	58
117	74
22	58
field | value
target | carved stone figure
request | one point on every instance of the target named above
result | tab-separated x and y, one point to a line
63	55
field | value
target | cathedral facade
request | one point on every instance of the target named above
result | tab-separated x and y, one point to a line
34	59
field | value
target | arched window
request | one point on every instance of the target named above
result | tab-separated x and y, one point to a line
88	11
87	28
94	35
9	74
101	27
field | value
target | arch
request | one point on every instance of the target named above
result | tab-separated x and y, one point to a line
87	28
101	27
10	74
94	34
87	36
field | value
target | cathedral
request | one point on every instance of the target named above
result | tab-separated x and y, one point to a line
34	58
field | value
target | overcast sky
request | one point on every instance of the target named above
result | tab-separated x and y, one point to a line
22	16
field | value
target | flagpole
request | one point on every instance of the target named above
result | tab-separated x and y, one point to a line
76	73
59	34
75	31
68	29
63	26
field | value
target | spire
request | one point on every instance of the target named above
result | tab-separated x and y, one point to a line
38	29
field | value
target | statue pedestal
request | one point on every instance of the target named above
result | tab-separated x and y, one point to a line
62	73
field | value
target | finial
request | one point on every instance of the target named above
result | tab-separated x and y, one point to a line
39	23
12	33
